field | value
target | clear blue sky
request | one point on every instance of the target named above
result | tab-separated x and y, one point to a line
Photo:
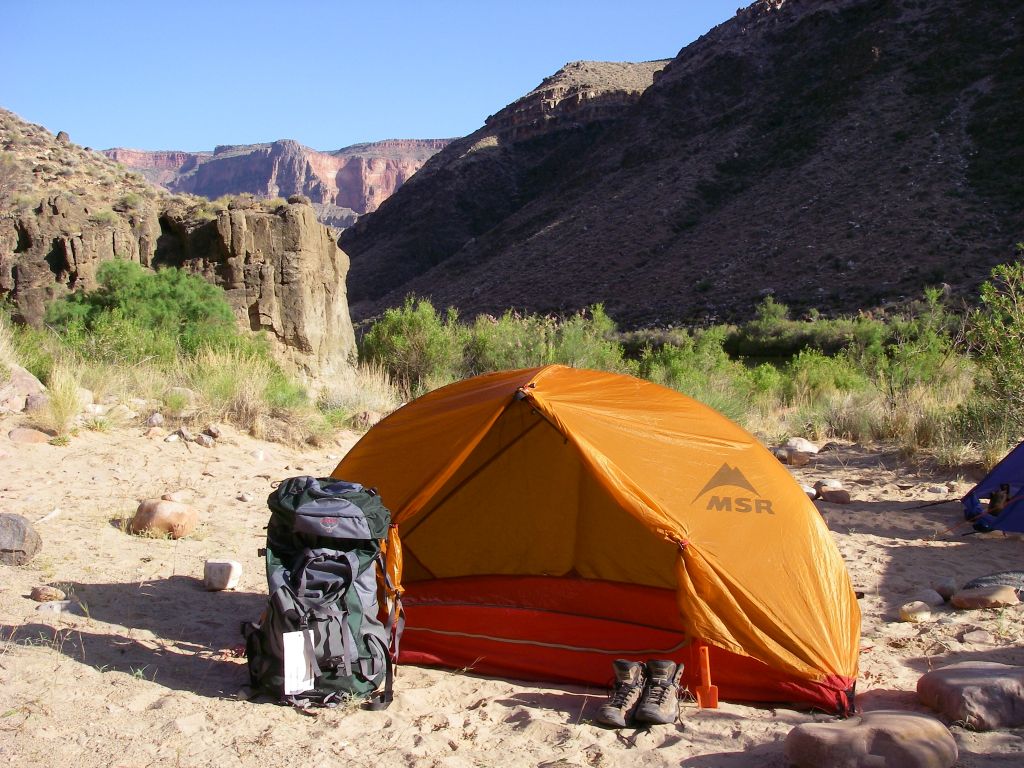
190	75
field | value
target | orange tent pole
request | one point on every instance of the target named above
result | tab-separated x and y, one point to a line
707	694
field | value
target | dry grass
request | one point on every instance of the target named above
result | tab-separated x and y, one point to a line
64	402
366	388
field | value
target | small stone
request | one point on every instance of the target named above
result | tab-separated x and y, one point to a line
221	574
154	432
164	517
915	612
46	594
4	454
983	695
811	493
19	541
365	419
802	445
172	438
946	586
186	434
258	455
37	402
121	413
879	739
978	636
834	495
929	597
205	440
985	597
937	489
27	436
156	419
181	496
86	397
791	457
214	431
829	482
96	409
61	606
246	497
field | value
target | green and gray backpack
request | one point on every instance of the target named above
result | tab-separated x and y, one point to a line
320	640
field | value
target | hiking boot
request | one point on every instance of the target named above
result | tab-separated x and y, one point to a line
629	684
660	700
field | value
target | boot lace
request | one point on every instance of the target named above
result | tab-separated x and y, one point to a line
622	693
658	693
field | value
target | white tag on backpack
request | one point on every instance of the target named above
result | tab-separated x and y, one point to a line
298	664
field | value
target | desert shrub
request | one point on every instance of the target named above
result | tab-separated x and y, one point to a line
509	342
134	314
585	340
812	375
62	400
996	334
130	200
418	348
367	387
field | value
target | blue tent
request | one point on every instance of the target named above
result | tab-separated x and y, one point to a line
1003	487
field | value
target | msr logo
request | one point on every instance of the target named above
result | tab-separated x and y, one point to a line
728	476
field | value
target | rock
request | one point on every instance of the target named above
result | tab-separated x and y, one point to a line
937	489
182	496
63	138
245	497
258	455
153	432
205	440
96	409
27	436
915	612
365	419
801	445
61	606
164	517
4	454
214	431
186	434
811	493
46	594
983	695
829	482
37	402
298	200
172	438
19	541
978	636
879	739
181	396
155	419
791	457
929	597
121	413
985	597
834	495
86	397
946	587
221	574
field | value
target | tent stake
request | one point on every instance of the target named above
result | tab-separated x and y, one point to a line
707	694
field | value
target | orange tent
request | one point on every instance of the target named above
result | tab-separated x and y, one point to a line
554	519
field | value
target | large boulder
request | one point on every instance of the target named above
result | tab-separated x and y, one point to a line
983	695
162	517
881	739
985	597
16	387
19	541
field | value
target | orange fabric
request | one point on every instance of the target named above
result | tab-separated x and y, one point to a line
601	476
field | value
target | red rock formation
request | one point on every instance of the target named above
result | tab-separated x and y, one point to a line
341	184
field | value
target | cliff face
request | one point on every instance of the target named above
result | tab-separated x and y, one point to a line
342	185
839	154
477	182
72	210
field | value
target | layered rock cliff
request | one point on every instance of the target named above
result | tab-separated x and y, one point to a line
476	182
341	185
841	155
73	209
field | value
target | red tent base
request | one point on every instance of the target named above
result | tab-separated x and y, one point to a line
569	630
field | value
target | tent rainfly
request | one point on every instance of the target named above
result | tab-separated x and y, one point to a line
550	520
1004	488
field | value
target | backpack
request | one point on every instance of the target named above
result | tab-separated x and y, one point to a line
320	640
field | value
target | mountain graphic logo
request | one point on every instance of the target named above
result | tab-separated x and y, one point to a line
727	475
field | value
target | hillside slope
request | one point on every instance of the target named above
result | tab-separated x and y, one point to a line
838	154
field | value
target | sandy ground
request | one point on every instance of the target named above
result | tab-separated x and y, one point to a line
145	677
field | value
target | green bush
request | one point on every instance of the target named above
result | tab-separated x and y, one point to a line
584	340
135	314
509	342
996	334
416	346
